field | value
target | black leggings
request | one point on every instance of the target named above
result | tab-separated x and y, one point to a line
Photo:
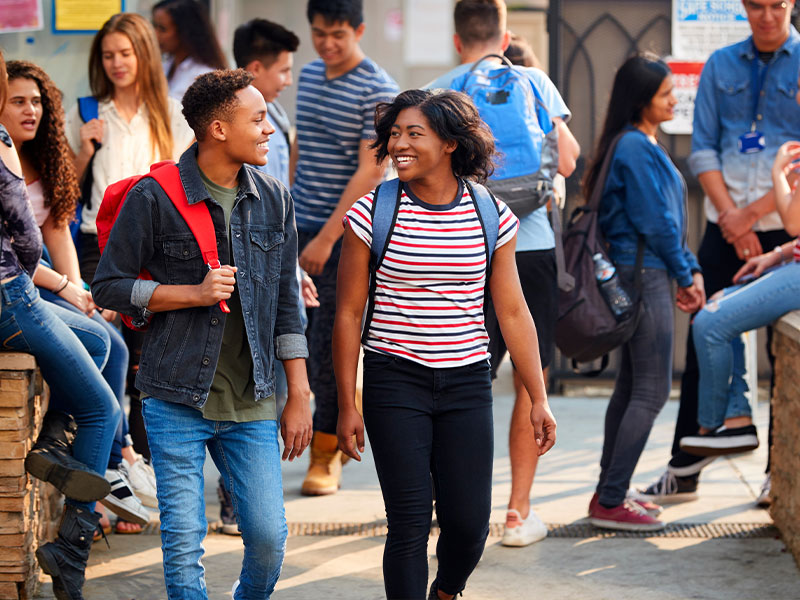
421	422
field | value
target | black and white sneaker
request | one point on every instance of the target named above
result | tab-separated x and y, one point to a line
122	501
669	489
683	464
722	441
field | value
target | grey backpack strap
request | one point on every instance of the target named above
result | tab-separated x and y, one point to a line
566	282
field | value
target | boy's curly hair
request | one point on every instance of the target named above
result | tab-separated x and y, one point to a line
48	151
453	117
212	96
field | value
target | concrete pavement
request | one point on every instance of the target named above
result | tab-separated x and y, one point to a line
697	564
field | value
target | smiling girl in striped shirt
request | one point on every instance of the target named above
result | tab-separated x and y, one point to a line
427	389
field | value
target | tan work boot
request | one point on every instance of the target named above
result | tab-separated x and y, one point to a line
325	469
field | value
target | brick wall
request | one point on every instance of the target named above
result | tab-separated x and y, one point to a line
785	467
29	509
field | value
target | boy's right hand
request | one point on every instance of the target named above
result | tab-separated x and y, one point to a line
217	285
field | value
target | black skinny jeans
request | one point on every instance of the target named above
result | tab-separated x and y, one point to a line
421	422
719	262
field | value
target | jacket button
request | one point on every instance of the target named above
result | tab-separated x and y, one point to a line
196	398
206	361
186	253
214	321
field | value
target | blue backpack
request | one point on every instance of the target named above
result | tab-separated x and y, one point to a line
523	129
87	110
386	204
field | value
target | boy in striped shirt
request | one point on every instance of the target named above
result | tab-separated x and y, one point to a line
333	167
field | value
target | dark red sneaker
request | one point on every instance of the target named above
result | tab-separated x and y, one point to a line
628	516
651	508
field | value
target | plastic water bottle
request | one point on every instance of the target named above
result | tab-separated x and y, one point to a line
615	296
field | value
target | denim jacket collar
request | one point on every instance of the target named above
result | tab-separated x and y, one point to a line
193	184
746	49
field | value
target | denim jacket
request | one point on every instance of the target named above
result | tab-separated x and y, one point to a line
723	111
645	194
181	347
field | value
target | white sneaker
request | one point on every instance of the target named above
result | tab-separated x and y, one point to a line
235	587
764	499
142	480
122	501
526	532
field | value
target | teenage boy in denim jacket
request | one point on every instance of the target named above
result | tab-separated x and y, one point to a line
206	377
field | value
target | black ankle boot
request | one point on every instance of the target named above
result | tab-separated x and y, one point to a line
51	460
65	559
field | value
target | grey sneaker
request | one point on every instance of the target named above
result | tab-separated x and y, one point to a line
669	489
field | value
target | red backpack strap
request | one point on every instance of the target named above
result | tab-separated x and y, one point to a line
197	216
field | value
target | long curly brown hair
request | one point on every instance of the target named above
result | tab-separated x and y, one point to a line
49	151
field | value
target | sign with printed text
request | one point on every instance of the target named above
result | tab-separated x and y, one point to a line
685	78
83	16
701	26
20	15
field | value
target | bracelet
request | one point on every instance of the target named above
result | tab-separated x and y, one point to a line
779	250
61	285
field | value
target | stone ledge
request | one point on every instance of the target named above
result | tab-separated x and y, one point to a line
785	509
17	361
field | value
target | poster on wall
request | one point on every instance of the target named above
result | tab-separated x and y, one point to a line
20	15
83	16
701	26
428	26
685	78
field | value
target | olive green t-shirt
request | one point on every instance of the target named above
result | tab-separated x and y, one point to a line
232	394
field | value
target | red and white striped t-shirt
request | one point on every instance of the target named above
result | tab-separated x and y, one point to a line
429	287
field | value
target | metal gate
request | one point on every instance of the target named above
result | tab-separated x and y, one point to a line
588	41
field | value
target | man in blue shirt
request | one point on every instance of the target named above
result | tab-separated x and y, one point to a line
744	110
480	30
336	99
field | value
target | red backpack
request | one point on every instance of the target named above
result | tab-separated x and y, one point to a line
196	216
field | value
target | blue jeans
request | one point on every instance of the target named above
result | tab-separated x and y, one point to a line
114	371
59	340
720	352
642	386
248	457
425	422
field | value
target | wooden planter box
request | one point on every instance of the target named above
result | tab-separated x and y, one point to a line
27	506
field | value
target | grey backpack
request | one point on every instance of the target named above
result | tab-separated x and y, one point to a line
586	329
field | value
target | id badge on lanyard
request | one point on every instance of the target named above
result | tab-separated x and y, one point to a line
753	141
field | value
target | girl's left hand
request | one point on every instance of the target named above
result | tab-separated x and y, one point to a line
544	426
79	298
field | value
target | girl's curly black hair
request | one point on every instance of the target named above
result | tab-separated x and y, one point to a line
453	117
49	152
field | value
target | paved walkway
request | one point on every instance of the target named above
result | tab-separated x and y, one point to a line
698	566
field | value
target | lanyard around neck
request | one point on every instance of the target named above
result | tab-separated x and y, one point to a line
757	78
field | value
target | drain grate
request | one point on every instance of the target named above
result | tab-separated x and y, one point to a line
571	530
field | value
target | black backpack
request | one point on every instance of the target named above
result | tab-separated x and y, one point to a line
586	328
